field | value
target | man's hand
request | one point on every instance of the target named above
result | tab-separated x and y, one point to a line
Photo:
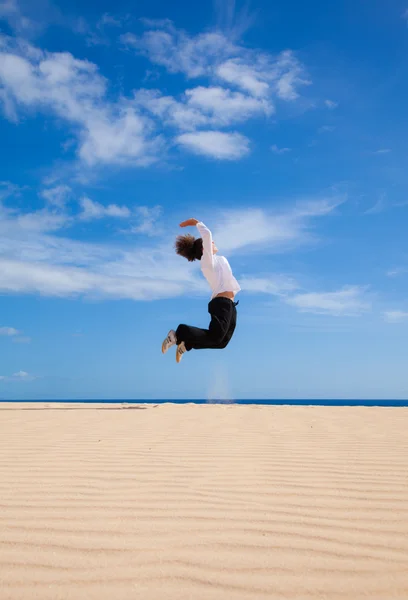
189	223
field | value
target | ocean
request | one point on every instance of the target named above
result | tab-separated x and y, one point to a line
301	402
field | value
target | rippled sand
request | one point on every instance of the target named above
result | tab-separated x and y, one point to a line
203	502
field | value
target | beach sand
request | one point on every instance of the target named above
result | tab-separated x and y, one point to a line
212	502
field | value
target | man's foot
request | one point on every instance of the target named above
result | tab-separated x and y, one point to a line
180	351
170	341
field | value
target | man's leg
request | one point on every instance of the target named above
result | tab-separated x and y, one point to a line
230	332
222	311
191	336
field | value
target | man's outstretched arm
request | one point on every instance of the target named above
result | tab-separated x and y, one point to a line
189	223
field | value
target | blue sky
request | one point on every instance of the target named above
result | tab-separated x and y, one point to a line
282	125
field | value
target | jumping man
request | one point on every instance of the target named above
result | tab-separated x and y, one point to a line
224	287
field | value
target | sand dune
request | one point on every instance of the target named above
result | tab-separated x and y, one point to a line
203	502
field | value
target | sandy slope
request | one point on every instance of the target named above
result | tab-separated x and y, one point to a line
203	502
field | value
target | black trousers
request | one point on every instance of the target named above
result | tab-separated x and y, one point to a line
219	333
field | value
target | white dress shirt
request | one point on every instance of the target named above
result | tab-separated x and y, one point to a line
216	269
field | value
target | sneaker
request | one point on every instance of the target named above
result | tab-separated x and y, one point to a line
170	341
180	351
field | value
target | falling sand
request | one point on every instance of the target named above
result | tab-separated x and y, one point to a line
203	502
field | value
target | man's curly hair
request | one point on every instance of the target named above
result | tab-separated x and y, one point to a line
189	247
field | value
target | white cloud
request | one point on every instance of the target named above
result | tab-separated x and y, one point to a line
73	90
202	107
382	151
379	206
35	261
242	75
326	129
8	331
29	19
126	130
170	111
99	33
94	210
252	227
14	334
57	195
215	144
349	301
225	106
24	339
277	285
8	189
20	376
108	20
256	228
395	316
397	271
262	75
59	280
10	12
148	217
276	150
178	52
289	76
331	104
231	20
214	55
41	220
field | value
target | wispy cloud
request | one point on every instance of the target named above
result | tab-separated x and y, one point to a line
215	55
348	301
10	12
178	52
73	90
8	331
98	34
382	151
215	144
20	376
94	210
8	189
38	257
396	271
225	106
232	21
276	150
255	228
331	104
202	107
147	220
263	76
23	339
109	278
395	316
326	129
35	260
57	195
244	84
15	335
276	285
378	207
